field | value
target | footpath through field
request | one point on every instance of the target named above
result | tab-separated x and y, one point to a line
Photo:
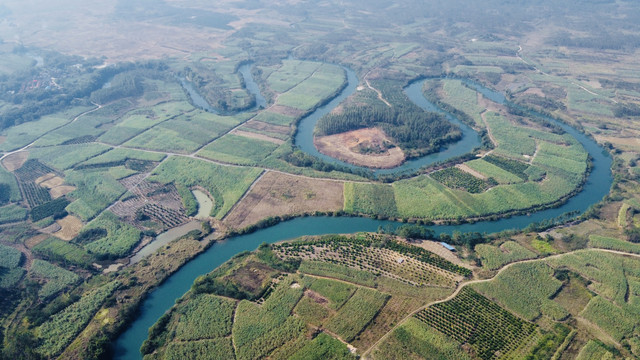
477	281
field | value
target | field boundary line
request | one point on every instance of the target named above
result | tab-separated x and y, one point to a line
478	281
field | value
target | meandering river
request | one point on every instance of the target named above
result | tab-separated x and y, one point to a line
162	298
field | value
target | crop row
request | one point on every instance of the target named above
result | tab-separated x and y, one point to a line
471	318
457	179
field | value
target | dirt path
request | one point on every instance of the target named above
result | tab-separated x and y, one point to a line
380	97
98	107
467	169
489	131
478	281
253	184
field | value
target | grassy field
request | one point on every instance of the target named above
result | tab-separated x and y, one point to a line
472	319
490	170
66	156
463	98
239	150
10	258
55	278
290	74
321	84
121	155
120	239
186	133
61	329
494	257
23	134
366	303
64	252
534	279
370	199
603	242
96	190
226	184
414	338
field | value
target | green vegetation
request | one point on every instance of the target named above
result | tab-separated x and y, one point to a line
205	317
62	328
357	259
323	347
415	338
494	257
226	184
10	258
457	179
323	84
471	318
57	278
13	192
66	156
461	97
12	213
64	252
594	350
613	244
514	167
338	272
259	330
216	349
54	208
10	277
120	239
337	292
534	279
370	199
490	170
236	149
96	190
366	303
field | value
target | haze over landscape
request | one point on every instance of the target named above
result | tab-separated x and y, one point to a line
302	179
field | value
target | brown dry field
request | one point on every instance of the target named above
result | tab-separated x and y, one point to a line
61	190
277	194
90	28
285	110
55	184
31	242
341	146
263	126
469	170
625	143
258	136
71	226
439	250
15	161
50	181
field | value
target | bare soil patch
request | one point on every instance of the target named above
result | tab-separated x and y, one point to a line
534	91
258	136
31	242
438	249
50	181
70	225
263	126
316	297
469	170
277	194
15	161
352	145
61	190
